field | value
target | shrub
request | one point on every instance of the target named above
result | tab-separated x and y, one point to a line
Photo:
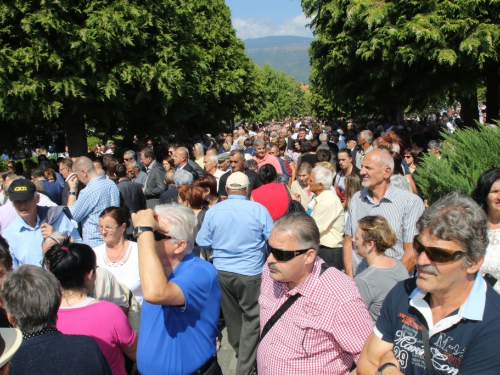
465	155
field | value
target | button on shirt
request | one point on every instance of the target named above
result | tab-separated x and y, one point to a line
25	242
236	229
323	332
401	209
99	194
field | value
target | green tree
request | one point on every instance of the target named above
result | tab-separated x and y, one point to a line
156	67
387	56
283	96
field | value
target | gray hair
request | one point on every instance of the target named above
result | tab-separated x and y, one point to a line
401	182
130	154
434	144
301	227
182	223
323	176
250	163
32	296
367	135
456	217
182	177
58	238
384	157
259	142
323	137
212	158
239	147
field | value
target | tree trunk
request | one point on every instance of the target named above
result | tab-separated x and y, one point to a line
469	112
492	75
76	136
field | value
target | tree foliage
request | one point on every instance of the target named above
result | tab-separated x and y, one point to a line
282	96
466	154
143	66
375	56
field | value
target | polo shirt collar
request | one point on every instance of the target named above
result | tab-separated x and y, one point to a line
472	308
235	196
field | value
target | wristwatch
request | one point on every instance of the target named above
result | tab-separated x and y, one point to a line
72	193
384	366
138	230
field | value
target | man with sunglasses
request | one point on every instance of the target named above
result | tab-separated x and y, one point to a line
326	326
181	306
236	229
445	320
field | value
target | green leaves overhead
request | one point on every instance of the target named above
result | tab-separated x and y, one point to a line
370	55
136	65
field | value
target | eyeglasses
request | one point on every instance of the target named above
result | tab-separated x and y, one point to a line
107	229
284	255
435	254
160	236
407	156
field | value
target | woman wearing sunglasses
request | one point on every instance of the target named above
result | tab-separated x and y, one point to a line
487	195
373	236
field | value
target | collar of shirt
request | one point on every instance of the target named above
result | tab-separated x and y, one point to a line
241	197
71	175
389	195
324	196
307	286
96	179
472	309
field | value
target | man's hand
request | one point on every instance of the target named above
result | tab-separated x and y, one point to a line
73	183
47	230
145	218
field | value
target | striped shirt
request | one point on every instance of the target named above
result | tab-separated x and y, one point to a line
99	194
400	208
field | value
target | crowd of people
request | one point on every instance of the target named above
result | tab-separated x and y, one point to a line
307	239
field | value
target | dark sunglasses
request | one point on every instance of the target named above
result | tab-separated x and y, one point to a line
160	236
284	255
435	254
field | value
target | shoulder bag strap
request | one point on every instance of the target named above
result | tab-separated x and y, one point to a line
270	323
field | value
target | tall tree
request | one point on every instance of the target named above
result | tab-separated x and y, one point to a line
142	66
386	56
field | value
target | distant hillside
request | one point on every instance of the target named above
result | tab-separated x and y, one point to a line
288	53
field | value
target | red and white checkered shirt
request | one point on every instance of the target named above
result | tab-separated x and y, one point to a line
323	332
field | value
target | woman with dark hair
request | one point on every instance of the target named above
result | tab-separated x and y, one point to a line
411	157
487	195
118	255
209	185
168	163
271	195
74	265
346	168
373	236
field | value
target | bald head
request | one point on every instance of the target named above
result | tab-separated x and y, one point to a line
84	169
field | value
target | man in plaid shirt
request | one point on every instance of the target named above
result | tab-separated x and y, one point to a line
324	330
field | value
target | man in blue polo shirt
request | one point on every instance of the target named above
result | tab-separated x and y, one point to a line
449	300
181	305
237	229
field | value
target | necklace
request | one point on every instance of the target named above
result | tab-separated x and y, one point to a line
113	263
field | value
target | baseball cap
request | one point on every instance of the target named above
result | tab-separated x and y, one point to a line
10	341
21	190
237	180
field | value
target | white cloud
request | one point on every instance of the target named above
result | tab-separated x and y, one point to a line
257	28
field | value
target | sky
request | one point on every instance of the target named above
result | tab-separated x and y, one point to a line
259	18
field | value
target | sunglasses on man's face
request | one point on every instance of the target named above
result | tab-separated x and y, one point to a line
160	236
435	254
284	255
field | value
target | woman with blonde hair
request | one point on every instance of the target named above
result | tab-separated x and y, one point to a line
198	154
373	236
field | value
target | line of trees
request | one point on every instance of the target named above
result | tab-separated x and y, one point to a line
384	57
150	66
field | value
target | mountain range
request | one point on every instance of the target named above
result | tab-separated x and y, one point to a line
288	53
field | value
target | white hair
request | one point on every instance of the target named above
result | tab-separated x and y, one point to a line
212	158
323	176
182	223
